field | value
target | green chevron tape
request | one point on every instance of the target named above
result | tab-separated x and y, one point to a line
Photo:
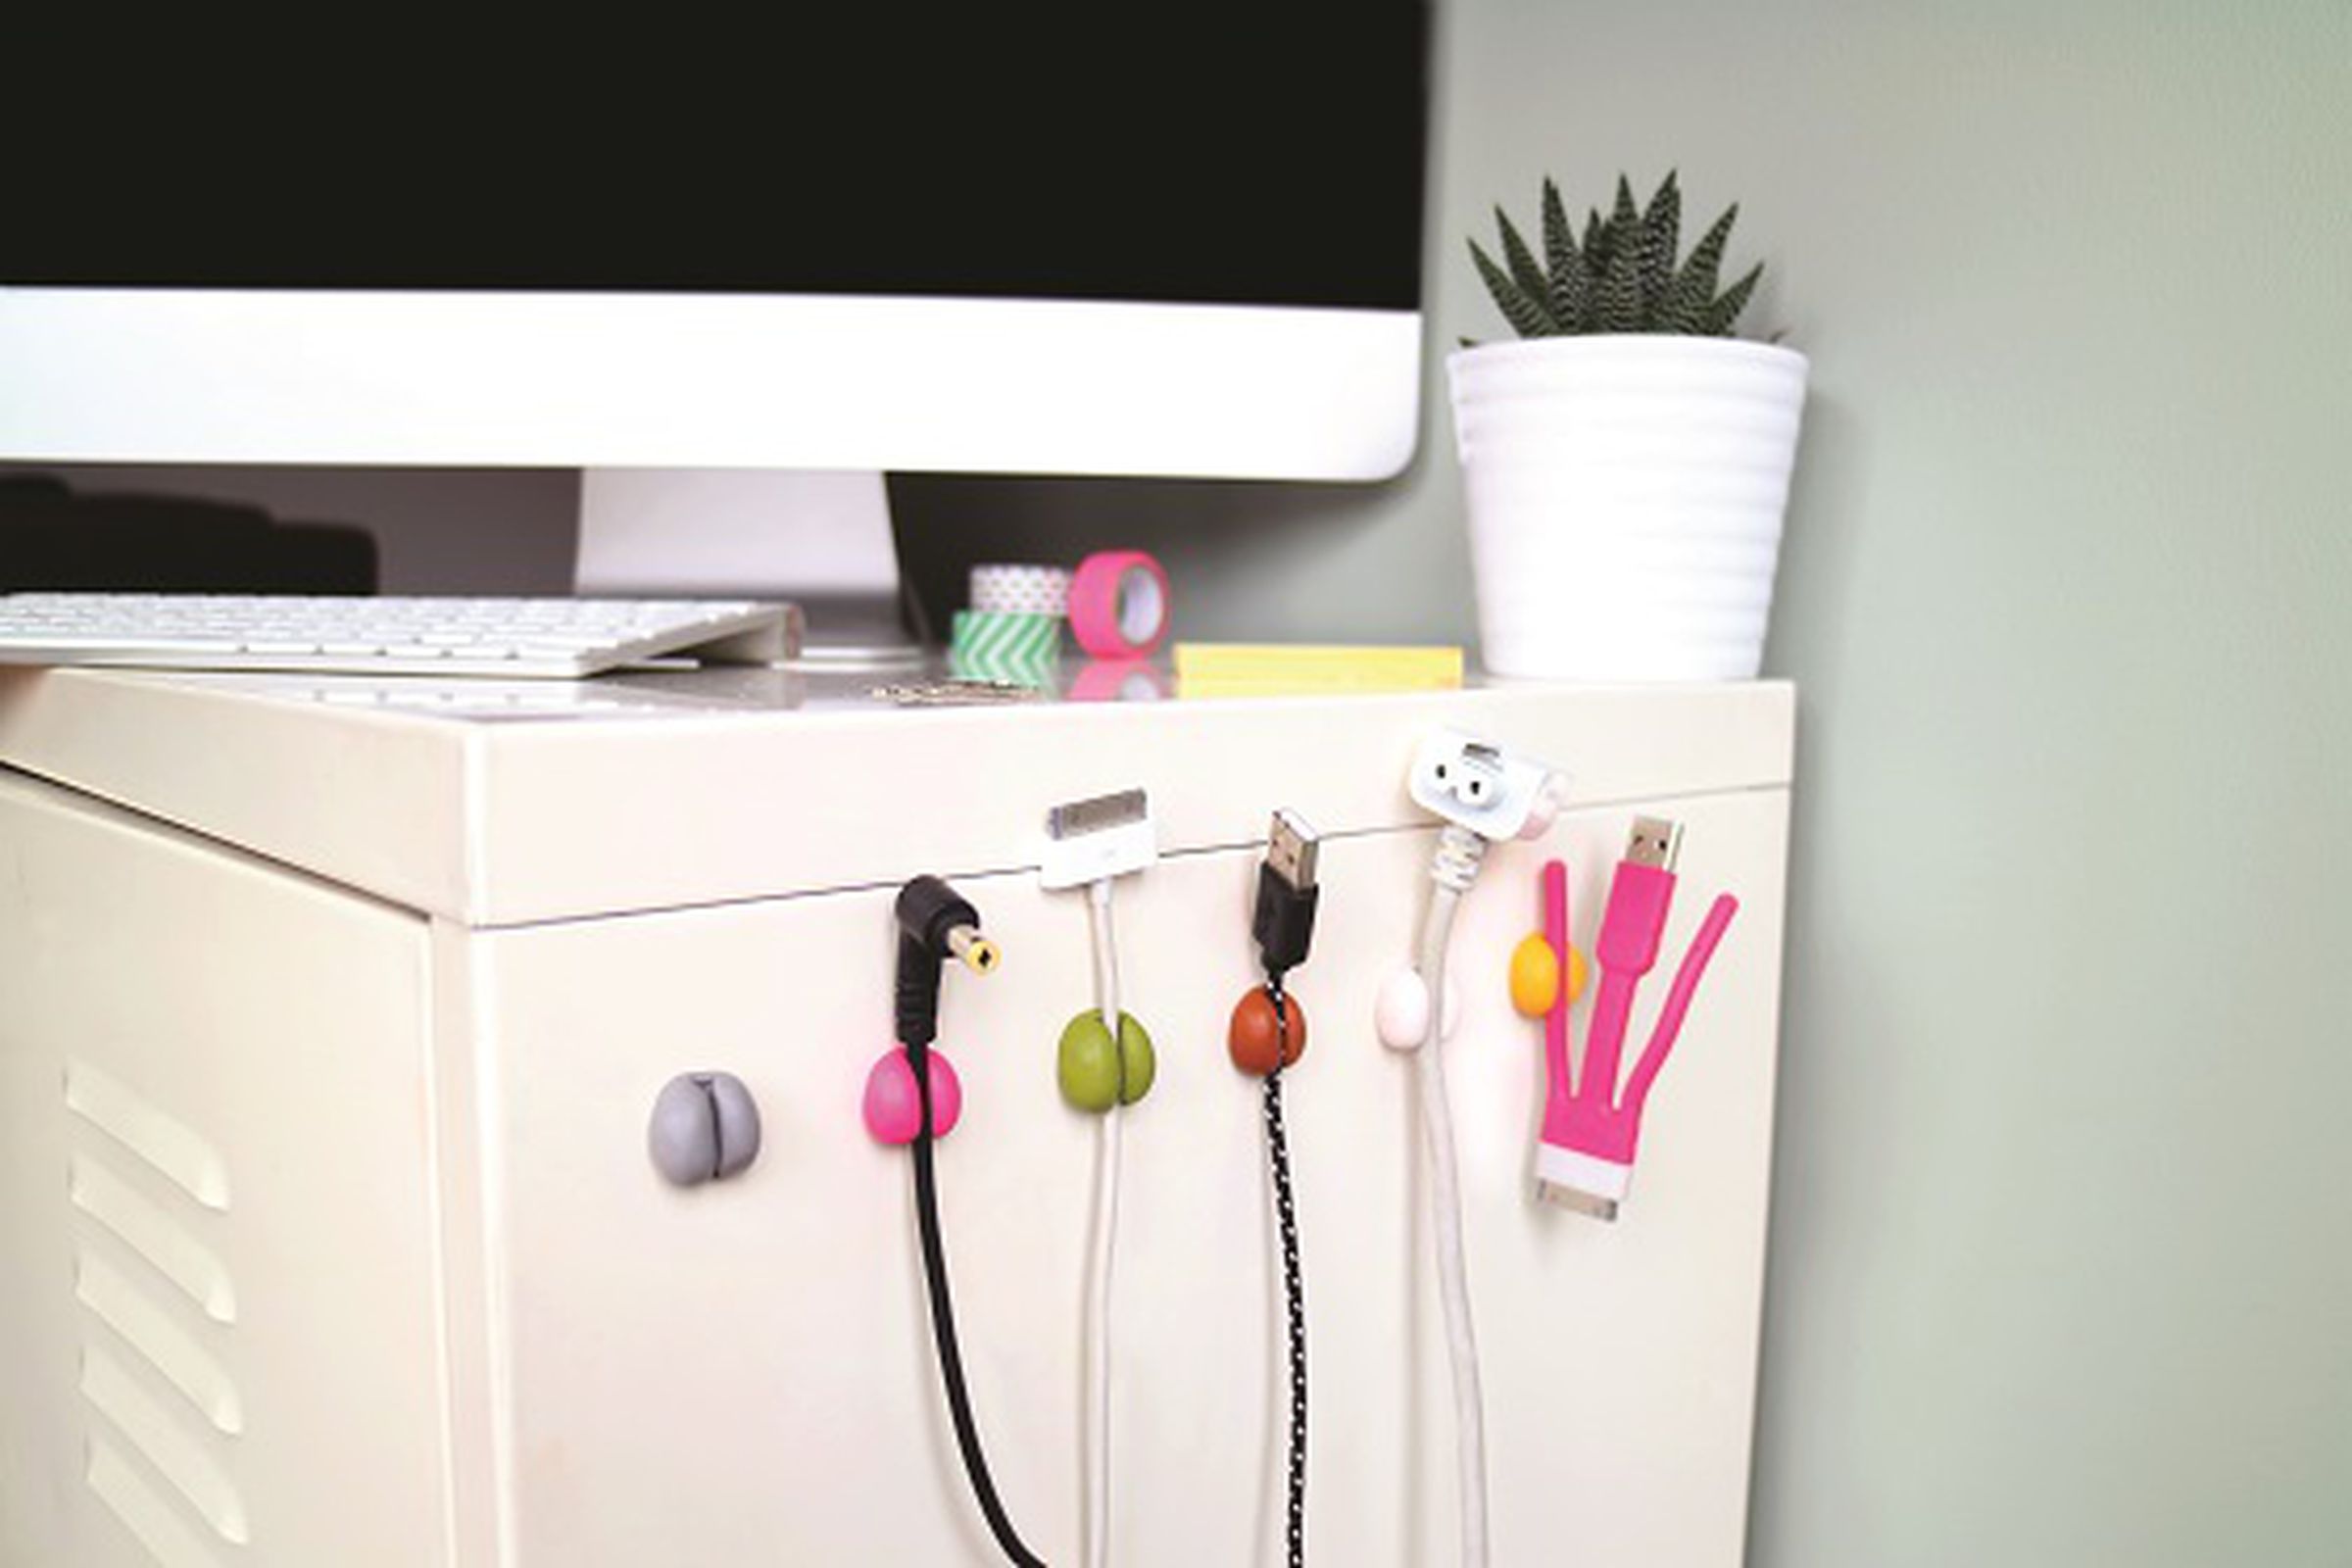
1005	638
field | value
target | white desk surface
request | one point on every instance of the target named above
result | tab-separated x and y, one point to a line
494	802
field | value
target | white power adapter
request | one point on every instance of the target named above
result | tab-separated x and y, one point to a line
1478	785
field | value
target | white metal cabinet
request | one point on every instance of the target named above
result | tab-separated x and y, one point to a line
219	1320
582	1366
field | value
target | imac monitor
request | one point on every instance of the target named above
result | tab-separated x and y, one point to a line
735	276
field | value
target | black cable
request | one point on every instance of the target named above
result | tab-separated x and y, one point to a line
1283	924
942	1327
1294	1289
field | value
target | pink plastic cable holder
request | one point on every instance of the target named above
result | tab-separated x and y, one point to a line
1591	1132
893	1109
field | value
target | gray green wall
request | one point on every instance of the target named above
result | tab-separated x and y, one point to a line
2062	1256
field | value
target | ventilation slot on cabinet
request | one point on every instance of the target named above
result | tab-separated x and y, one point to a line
147	1229
175	1152
180	1456
157	1298
151	1520
147	1327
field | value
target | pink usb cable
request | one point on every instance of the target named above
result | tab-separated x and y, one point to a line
1590	1130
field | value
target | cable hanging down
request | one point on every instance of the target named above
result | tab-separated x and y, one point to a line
1104	1242
934	923
1294	1295
1103	1065
943	1334
1268	1036
1455	865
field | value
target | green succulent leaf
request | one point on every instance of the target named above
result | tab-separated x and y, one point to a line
1661	238
1528	316
1571	292
1525	271
1559	234
1618	307
1683	307
1678	312
1625	216
1626	273
1725	312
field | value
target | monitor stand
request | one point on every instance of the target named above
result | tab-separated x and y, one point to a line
821	539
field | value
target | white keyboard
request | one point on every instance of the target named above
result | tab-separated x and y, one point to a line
560	638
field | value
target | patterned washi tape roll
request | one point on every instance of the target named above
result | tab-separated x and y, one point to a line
1005	650
1013	590
1005	638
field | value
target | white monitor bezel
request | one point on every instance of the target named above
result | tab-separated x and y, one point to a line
707	382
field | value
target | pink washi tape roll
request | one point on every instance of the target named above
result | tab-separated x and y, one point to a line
1119	604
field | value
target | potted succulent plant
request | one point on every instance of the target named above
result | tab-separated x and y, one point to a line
1626	462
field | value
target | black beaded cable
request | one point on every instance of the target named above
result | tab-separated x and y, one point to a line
1294	1289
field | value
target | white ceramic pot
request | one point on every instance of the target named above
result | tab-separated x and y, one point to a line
1626	495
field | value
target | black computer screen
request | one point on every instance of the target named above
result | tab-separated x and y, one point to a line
1191	153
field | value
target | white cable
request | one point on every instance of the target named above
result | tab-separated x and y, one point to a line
1454	867
1105	1235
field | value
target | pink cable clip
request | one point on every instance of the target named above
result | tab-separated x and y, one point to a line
1590	1130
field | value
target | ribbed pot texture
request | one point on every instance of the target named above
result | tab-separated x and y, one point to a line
1626	497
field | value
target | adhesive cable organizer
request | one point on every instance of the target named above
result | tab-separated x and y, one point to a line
1591	1128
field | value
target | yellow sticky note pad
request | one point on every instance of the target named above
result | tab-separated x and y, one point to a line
1267	669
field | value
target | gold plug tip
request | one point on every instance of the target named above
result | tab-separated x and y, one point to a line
976	952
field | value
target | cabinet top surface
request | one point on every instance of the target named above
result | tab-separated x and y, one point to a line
504	802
